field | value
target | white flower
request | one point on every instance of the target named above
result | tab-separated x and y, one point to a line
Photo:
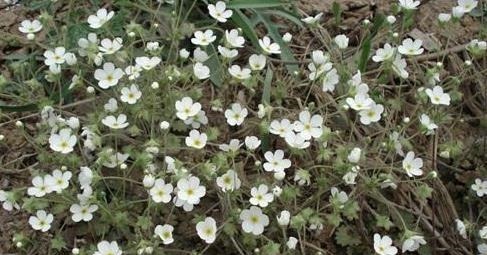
399	67
338	196
391	19
437	96
203	39
82	212
101	17
147	63
239	73
236	114
219	11
108	248
152	46
462	230
229	181
483	232
233	146
108	76
201	71
257	62
268	46
330	80
427	122
111	105
70	58
253	220
252	142
165	233
383	245
115	123
480	187
349	177
227	53
130	95
207	230
7	201
109	47
184	53
409	4
444	17
467	5
410	47
341	41
397	144
291	243
54	57
197	120
115	160
261	196
296	140
63	142
276	161
30	27
281	128
58	181
284	218
360	102
40	187
312	19
190	191
383	54
161	192
233	38
148	181
482	249
200	55
186	108
277	191
457	11
309	126
354	155
373	114
287	37
196	140
85	177
87	44
42	221
413	243
133	72
412	165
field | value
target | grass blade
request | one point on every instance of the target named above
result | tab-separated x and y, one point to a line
254	4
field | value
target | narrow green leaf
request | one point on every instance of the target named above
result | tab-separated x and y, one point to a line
287	15
245	24
252	4
215	66
367	43
266	94
286	53
18	108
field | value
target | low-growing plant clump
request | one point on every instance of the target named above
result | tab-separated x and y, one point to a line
238	127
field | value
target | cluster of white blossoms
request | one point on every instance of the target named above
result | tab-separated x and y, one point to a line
156	134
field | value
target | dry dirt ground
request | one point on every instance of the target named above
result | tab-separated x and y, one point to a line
15	152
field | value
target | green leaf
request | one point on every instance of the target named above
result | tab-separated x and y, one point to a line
18	108
266	94
215	66
337	12
286	53
334	219
252	4
286	15
367	43
350	210
346	237
245	24
424	191
58	243
384	221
